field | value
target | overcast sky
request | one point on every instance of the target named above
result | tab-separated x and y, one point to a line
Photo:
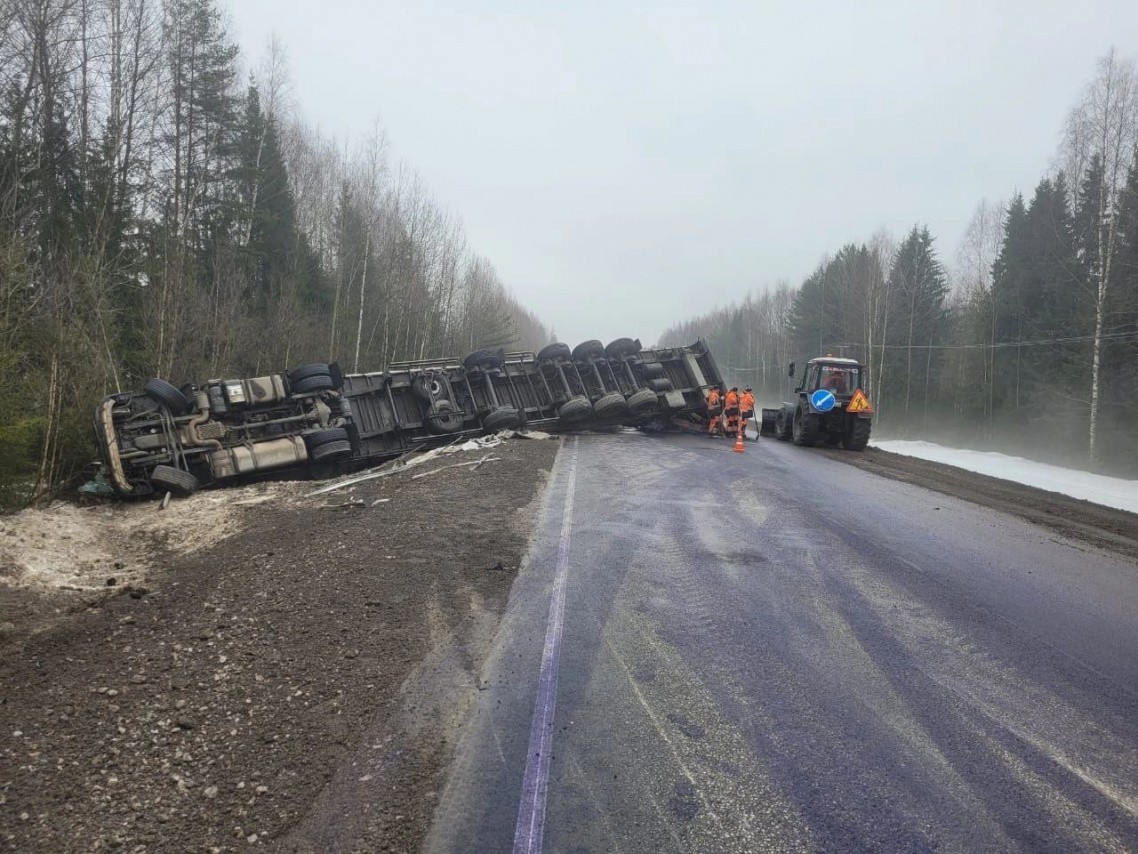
628	165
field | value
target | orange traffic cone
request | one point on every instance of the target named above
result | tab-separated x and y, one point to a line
739	448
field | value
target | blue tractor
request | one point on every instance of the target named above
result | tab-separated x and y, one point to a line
831	406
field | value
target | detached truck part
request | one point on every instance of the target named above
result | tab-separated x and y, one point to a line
830	406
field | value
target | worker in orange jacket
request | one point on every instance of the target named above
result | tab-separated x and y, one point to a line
714	411
731	411
746	409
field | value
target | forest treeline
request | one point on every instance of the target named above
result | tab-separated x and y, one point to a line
1025	339
165	211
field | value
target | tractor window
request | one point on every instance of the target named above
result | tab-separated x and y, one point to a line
840	379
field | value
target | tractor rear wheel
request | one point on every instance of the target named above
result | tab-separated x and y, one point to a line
857	434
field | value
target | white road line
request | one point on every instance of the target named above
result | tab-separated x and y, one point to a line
535	783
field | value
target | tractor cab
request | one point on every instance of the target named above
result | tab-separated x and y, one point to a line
842	377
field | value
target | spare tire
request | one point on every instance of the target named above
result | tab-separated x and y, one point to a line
660	385
588	350
622	347
317	382
317	369
170	479
502	418
576	410
170	397
442	417
653	369
611	406
554	351
644	402
428	386
484	359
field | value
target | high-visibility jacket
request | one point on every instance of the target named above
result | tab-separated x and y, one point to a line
732	400
748	402
713	399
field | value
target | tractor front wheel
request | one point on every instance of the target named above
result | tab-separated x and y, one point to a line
805	429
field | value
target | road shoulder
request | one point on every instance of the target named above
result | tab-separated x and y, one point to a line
298	684
1114	531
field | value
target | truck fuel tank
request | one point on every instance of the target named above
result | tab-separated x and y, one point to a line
258	456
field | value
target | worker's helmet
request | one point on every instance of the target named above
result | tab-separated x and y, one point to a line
748	388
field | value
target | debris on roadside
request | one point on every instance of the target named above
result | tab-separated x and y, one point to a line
474	463
344	505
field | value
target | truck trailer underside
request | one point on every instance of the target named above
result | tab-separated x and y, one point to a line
168	439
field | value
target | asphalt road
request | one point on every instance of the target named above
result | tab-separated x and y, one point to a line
774	652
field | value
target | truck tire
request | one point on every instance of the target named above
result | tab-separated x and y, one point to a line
427	387
622	347
330	451
312	441
575	411
652	370
587	350
552	352
484	359
660	385
319	382
857	434
644	402
169	396
611	406
502	418
316	369
442	417
170	479
805	429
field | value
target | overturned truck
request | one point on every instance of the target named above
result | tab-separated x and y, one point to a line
170	439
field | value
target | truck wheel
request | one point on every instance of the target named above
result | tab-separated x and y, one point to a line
805	429
644	402
442	417
169	396
319	382
170	479
652	370
588	349
484	359
611	406
857	434
330	451
660	385
312	441
575	411
554	351
316	369
622	347
502	418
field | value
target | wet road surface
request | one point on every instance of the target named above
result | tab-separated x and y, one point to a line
776	652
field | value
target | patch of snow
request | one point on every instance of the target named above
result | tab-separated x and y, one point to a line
1099	489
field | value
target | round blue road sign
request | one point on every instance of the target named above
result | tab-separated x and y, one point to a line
823	400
